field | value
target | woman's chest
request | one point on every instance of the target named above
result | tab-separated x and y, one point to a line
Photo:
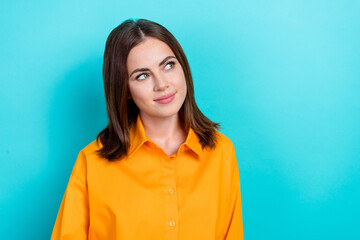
157	198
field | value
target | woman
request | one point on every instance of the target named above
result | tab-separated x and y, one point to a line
160	169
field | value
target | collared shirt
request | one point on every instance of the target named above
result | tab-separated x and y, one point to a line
149	195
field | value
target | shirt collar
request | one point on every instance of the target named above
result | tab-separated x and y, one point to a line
138	138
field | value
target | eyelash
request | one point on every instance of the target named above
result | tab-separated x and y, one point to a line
171	62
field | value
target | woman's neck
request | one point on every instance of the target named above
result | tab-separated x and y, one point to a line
167	132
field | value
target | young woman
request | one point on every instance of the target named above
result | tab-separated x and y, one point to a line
160	169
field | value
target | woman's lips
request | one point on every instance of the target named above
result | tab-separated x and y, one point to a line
166	98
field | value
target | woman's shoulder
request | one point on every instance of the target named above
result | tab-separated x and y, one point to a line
223	140
91	148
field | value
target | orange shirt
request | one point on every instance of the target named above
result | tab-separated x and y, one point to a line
193	194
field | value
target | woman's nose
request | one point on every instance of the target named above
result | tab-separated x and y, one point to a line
160	83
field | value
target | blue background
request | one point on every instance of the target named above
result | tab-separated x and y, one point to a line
282	77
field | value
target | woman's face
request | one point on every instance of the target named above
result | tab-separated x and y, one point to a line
156	79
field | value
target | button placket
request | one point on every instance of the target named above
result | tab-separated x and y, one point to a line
169	175
172	161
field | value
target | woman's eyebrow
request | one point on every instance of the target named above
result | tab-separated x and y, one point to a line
139	70
146	69
165	59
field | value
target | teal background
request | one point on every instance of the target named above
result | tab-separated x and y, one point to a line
282	77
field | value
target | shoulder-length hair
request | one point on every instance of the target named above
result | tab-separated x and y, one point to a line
121	110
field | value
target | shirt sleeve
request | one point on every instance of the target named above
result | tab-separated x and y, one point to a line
235	226
73	217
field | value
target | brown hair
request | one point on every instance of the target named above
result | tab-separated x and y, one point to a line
122	111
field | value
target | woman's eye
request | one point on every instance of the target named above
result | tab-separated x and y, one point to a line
169	65
142	76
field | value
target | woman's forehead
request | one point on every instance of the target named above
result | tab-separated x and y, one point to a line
148	53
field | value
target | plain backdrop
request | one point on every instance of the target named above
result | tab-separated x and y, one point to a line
282	77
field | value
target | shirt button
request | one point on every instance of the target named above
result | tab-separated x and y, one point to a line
171	191
172	223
